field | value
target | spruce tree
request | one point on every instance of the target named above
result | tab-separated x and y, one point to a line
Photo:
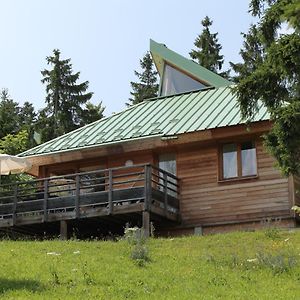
274	78
27	119
252	54
15	119
65	97
91	113
9	114
207	52
147	87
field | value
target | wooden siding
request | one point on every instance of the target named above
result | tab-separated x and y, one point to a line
137	159
205	201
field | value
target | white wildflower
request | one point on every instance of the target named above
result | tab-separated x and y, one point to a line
252	259
76	252
53	253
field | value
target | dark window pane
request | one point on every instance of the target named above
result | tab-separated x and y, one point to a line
249	166
167	162
175	82
230	161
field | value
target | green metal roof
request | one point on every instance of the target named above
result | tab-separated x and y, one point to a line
161	54
162	116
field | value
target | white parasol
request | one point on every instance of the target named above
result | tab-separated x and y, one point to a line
10	164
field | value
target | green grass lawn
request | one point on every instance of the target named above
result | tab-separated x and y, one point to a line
260	265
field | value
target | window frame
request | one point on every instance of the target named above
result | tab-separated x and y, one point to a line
239	161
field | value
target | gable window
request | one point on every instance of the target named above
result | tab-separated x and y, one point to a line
175	82
238	160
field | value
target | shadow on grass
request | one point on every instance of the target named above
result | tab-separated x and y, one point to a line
7	285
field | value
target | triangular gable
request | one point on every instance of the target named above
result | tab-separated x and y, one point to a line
163	57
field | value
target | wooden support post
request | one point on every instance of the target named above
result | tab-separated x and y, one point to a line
63	230
146	224
77	196
46	188
165	194
110	192
148	187
15	204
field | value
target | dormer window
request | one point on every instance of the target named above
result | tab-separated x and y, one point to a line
176	82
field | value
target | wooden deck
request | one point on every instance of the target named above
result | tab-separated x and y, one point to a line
109	192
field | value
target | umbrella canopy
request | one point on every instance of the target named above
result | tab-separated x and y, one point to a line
10	164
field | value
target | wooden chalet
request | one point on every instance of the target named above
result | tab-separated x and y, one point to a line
184	161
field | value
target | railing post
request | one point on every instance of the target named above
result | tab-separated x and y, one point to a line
110	191
46	192
165	193
77	196
148	187
15	204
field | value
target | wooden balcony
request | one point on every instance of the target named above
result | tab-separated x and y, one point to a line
109	192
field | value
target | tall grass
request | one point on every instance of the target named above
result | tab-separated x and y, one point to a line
252	265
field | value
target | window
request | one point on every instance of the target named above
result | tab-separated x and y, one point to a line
175	82
238	160
230	169
167	162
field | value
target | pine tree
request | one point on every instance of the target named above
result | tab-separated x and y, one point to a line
252	55
65	97
9	114
92	113
147	86
275	78
27	120
207	52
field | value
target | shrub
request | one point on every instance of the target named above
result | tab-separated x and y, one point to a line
135	235
272	233
136	238
278	263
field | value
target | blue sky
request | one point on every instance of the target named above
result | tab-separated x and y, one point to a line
105	40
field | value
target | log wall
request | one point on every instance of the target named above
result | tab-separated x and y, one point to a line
207	201
136	159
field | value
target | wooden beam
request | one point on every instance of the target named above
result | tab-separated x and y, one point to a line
165	194
77	197
146	224
63	230
15	204
148	187
110	192
46	192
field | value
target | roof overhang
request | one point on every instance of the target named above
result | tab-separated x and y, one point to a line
213	135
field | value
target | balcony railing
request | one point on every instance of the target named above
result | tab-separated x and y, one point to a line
90	194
